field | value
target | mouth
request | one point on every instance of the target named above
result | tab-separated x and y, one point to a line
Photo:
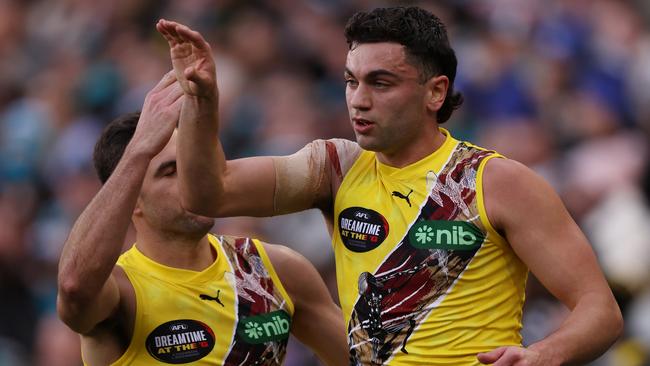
362	121
361	125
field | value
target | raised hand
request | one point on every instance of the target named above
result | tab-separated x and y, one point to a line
191	58
159	116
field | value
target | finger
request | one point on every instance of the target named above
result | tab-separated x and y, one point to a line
163	27
174	92
178	102
168	93
492	356
166	81
164	31
171	28
166	25
176	108
193	36
508	359
205	85
192	74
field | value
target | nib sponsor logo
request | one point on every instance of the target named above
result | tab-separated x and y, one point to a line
263	328
447	235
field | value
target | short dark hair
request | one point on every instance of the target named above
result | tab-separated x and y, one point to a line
111	144
422	34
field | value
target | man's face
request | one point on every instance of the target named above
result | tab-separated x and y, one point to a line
386	100
159	203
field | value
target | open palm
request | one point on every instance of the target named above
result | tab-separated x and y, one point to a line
191	58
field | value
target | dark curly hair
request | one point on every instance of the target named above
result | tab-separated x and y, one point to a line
424	37
111	144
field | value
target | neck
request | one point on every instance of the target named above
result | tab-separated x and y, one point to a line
178	252
415	150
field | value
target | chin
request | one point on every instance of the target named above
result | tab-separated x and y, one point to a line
195	225
368	144
204	222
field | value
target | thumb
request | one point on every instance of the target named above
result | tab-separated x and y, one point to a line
199	77
492	356
203	83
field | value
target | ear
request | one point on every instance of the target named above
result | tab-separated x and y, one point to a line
436	92
137	211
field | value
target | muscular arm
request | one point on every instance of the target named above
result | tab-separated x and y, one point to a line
201	162
542	233
209	184
317	321
88	292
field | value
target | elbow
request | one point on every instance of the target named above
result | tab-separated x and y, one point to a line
65	313
72	299
68	305
618	324
204	202
70	285
203	206
72	307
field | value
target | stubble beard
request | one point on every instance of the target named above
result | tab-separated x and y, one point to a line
185	226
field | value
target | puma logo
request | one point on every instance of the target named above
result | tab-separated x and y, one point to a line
210	298
400	195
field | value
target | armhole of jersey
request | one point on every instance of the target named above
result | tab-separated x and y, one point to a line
273	274
84	362
348	153
356	162
137	326
495	236
354	165
344	181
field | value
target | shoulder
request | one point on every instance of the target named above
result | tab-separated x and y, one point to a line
285	259
510	189
503	168
310	177
334	151
342	146
294	270
505	176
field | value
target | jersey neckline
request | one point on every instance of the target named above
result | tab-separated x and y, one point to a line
215	271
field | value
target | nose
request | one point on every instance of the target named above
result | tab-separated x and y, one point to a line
359	98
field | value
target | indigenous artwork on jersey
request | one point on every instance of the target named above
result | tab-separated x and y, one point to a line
423	267
263	322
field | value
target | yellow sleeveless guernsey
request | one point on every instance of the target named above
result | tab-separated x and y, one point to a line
423	277
235	312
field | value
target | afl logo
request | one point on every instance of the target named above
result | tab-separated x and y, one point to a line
180	341
361	229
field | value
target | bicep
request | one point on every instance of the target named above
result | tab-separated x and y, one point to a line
541	231
265	186
249	188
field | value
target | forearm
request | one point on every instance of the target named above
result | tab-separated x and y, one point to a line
591	328
96	239
201	160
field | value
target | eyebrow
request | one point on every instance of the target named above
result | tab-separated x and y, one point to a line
163	166
374	73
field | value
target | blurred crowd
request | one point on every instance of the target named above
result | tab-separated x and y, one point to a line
560	85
